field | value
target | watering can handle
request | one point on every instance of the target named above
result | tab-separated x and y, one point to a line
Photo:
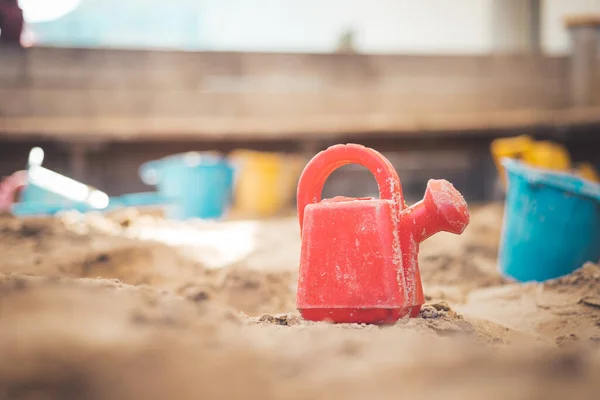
324	163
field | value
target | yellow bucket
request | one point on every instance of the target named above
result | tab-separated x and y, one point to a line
265	182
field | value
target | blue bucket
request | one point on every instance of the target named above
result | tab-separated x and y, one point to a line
551	223
199	184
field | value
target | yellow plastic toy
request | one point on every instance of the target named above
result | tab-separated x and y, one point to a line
543	154
587	171
266	181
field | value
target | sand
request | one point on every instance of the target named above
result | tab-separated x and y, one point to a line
135	307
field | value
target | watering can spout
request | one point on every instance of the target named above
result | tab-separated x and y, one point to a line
442	209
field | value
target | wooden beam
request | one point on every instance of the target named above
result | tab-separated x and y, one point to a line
118	129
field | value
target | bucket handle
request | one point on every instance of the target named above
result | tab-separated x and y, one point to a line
323	164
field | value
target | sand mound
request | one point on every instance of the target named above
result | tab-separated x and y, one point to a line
134	307
92	247
563	310
90	338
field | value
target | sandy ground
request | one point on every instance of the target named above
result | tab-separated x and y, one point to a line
135	307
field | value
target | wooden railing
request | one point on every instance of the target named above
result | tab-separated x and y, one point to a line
163	95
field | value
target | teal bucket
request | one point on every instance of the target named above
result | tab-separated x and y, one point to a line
199	184
551	223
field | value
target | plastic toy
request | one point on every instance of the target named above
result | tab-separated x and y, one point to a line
551	223
11	188
199	184
359	256
538	153
265	182
44	192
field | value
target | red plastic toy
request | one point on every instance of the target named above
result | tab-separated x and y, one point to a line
359	256
11	188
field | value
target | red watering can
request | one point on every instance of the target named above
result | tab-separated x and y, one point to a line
359	256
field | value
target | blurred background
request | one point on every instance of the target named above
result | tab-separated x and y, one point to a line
105	86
